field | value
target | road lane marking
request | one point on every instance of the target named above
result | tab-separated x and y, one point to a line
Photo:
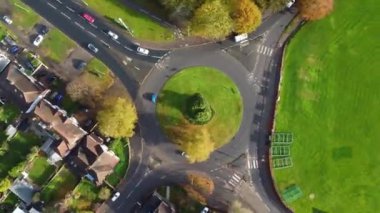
80	26
138	183
155	56
117	41
137	68
94	26
130	193
71	9
92	34
128	48
52	5
255	164
105	43
163	177
65	15
59	1
257	194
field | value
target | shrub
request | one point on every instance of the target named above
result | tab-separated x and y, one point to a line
198	110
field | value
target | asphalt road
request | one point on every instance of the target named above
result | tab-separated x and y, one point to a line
240	168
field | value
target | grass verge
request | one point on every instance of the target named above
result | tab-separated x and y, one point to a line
219	90
57	46
120	148
329	102
23	16
142	26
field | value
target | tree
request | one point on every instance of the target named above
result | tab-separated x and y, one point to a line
211	20
104	193
117	118
247	16
198	110
315	9
15	171
180	10
237	207
199	186
88	89
194	140
274	5
5	184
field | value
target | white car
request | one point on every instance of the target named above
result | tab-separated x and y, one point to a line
290	3
142	50
7	20
115	196
37	41
205	210
113	35
92	48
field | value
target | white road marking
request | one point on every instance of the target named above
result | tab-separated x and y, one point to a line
65	15
255	164
138	183
265	50
271	51
155	56
257	194
94	26
117	41
137	68
130	193
59	1
80	26
71	9
128	48
105	43
92	34
163	177
52	5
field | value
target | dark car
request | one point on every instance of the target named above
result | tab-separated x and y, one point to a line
81	65
14	49
44	30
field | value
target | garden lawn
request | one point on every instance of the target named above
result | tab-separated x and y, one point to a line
97	67
19	147
330	102
41	170
57	46
217	88
85	194
142	26
23	16
8	113
63	182
120	148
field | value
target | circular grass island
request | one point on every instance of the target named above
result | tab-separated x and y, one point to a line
223	99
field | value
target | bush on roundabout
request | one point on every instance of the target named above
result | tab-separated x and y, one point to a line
198	110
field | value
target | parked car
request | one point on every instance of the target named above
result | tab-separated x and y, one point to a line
37	41
7	20
44	30
14	49
92	48
115	196
142	50
81	65
9	40
113	35
88	17
205	210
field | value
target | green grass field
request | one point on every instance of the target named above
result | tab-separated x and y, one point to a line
23	16
330	102
63	182
120	148
41	170
219	90
57	46
143	27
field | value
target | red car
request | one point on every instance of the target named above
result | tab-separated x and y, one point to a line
88	17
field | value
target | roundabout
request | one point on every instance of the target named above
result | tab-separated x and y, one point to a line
220	118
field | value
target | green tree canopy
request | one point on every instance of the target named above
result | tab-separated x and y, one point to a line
5	184
247	16
117	118
212	20
198	110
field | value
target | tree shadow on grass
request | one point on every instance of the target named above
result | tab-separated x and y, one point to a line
174	99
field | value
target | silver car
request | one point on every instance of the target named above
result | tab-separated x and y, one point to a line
142	50
92	47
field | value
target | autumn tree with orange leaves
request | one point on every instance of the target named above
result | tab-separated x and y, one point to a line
315	9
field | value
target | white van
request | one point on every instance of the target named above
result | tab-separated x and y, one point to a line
241	37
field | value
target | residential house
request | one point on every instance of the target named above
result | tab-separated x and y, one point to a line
93	160
65	130
157	204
